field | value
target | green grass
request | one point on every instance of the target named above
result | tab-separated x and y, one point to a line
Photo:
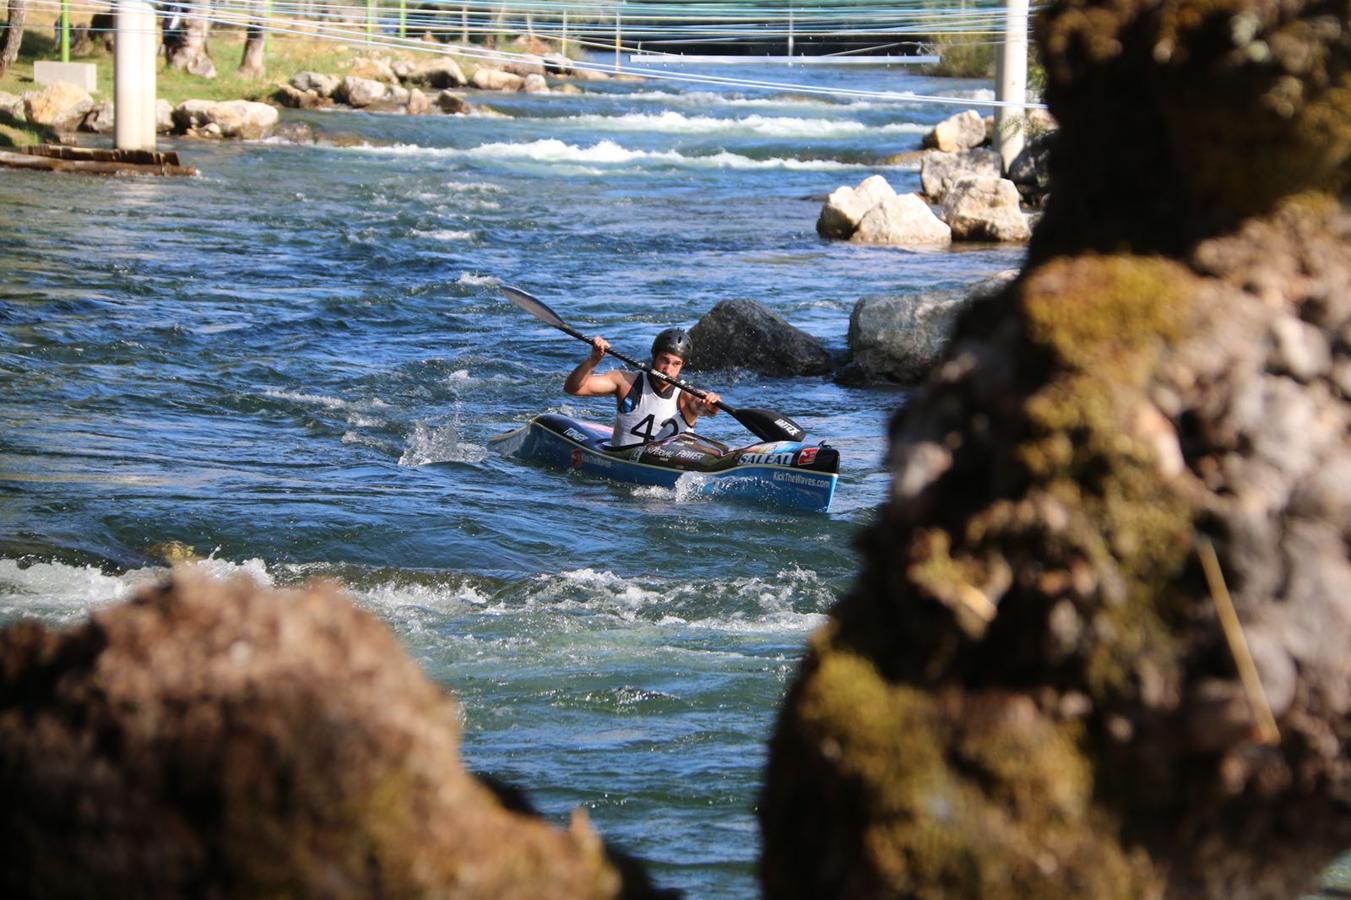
285	57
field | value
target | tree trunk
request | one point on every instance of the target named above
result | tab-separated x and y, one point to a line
12	35
252	65
185	40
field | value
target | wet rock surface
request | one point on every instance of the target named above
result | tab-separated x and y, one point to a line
1028	691
221	739
748	335
900	339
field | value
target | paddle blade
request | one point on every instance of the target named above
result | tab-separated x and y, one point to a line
768	425
534	306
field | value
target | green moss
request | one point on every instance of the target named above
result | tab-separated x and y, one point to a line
962	796
1103	321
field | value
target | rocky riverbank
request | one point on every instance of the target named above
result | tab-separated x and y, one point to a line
443	84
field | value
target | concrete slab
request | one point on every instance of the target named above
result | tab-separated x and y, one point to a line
85	75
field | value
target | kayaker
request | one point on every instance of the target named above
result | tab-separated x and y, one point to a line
646	408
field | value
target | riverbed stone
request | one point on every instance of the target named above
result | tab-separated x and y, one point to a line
846	206
243	119
487	78
452	103
746	334
418	103
373	69
525	66
962	131
100	119
1030	169
295	98
442	72
321	83
535	84
984	208
164	116
218	738
557	64
903	220
939	170
359	93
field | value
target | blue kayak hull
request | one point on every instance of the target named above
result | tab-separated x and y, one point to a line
783	473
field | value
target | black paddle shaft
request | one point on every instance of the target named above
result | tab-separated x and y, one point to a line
763	423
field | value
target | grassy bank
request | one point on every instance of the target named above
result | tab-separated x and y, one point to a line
285	57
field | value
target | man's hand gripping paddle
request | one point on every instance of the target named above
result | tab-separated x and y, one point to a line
765	424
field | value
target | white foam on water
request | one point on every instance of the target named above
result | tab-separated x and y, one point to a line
485	187
672	122
357	420
473	279
444	234
713	98
439	444
608	153
59	593
307	399
361	440
791	602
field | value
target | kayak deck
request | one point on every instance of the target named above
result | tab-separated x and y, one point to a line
785	473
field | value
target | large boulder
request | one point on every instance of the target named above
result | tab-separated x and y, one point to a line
900	339
984	208
535	84
846	206
960	132
442	72
60	106
220	739
1098	646
745	334
487	78
901	221
242	119
938	170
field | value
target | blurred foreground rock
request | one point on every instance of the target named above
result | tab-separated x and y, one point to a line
1028	693
224	740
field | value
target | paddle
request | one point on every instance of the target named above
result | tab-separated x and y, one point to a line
765	424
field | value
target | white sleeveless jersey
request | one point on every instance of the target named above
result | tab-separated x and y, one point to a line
644	415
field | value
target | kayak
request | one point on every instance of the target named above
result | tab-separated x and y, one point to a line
787	473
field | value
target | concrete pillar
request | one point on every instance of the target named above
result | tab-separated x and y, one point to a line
134	51
1010	122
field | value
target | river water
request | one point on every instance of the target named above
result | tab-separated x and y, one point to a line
293	364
